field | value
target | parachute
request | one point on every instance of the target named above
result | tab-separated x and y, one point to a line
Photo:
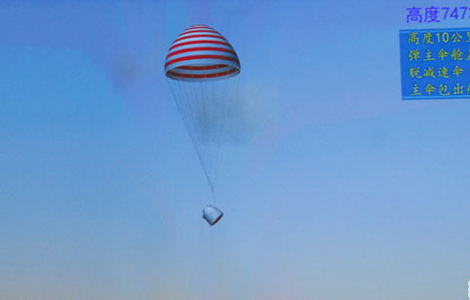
201	67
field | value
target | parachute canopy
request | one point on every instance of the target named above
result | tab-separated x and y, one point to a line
201	53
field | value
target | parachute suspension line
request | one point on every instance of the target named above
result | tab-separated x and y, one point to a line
203	107
213	198
201	131
179	103
193	102
198	91
214	123
186	110
214	113
183	103
210	128
210	131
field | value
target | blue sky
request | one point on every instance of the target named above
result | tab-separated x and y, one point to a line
332	186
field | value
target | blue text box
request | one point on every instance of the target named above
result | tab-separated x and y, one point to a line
435	63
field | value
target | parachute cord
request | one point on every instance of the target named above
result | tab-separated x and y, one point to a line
205	170
181	109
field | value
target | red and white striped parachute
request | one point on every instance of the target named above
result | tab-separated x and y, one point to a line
201	53
201	67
